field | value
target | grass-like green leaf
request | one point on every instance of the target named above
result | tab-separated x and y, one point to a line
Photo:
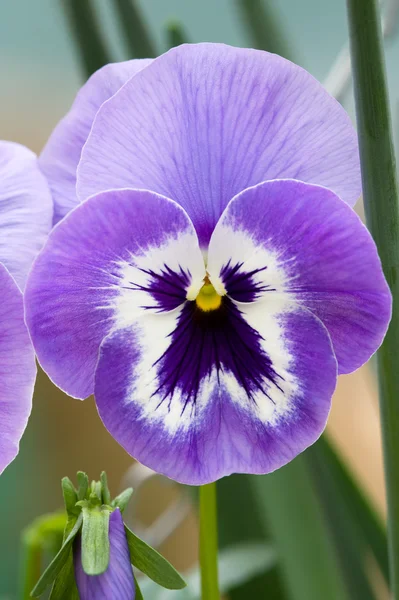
288	502
86	30
342	521
381	203
58	562
153	564
135	30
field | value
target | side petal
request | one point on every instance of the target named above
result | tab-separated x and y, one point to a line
300	240
115	255
197	396
26	209
203	122
60	156
117	582
17	369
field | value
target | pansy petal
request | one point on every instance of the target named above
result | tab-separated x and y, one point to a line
203	122
17	369
118	254
198	395
60	156
117	582
26	209
300	240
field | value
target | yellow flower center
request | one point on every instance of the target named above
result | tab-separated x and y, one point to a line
208	299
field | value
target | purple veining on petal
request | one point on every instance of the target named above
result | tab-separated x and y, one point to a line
215	341
241	285
224	432
166	286
203	122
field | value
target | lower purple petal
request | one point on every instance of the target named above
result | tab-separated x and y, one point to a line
17	369
117	582
198	406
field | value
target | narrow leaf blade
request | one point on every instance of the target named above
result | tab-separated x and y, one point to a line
57	563
150	562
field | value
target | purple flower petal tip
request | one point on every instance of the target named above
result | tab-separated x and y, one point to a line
17	369
117	582
26	209
60	157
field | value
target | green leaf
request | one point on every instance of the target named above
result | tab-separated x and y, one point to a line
87	33
345	530
381	203
135	30
64	587
237	565
70	496
288	503
241	520
106	496
58	562
95	539
369	524
83	485
152	564
175	34
122	500
266	32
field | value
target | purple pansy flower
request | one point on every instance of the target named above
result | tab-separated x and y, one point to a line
118	579
215	279
25	220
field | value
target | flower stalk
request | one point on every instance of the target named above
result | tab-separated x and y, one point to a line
380	192
209	542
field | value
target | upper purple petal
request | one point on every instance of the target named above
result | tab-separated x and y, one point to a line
26	209
17	369
117	583
60	157
111	258
203	122
300	240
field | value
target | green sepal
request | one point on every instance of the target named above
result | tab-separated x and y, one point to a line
64	587
122	500
70	496
95	541
58	562
105	489
152	564
95	493
83	482
139	595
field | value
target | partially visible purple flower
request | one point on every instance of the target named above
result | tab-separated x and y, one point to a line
60	157
117	582
210	301
25	221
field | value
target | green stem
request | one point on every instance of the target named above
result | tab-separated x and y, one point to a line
380	194
209	542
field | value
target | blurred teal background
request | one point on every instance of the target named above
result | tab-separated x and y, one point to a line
40	75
